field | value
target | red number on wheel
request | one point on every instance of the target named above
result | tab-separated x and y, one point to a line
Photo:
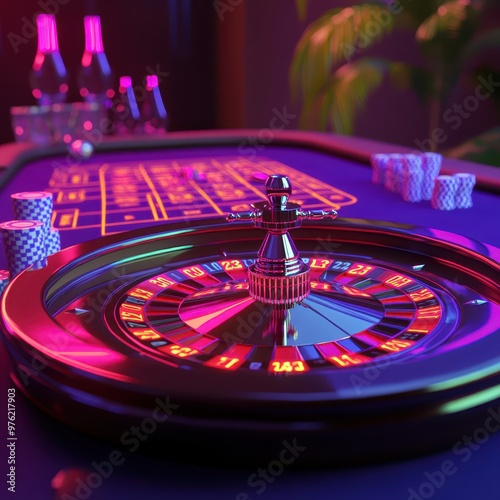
229	265
359	270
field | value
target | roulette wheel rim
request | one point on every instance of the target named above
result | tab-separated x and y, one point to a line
259	410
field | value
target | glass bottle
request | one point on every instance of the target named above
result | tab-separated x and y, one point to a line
95	78
154	114
49	78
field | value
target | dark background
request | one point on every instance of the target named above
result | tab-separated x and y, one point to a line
228	68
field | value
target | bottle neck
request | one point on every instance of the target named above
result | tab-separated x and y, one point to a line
47	34
93	35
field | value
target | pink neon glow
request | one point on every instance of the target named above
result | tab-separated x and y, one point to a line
493	252
87	125
37	93
37	63
93	34
125	82
19	130
67	138
205	319
456	239
151	81
86	59
110	93
47	33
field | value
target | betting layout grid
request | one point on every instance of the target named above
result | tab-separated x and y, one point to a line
122	196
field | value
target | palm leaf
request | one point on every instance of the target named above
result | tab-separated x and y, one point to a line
349	88
333	39
352	84
446	22
443	38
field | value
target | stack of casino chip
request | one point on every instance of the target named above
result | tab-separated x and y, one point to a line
463	196
393	173
53	242
38	205
416	177
444	192
4	280
24	243
379	164
411	178
33	205
431	165
30	238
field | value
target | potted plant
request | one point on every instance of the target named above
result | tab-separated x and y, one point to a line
334	76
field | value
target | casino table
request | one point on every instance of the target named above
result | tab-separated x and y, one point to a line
130	194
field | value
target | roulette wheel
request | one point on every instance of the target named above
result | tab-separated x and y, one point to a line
142	209
343	340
